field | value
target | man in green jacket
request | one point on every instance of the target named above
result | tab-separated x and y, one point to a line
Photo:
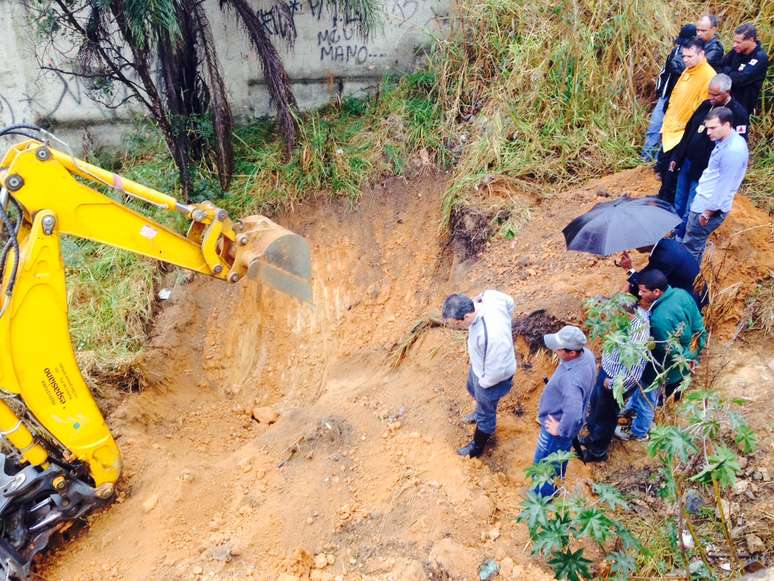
673	313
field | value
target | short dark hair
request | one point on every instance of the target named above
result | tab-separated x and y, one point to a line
722	114
653	280
712	18
457	306
696	43
747	30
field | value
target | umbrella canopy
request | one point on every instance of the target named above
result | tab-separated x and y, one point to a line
619	225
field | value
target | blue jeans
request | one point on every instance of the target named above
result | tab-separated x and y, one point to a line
695	239
487	400
653	133
644	406
685	192
547	445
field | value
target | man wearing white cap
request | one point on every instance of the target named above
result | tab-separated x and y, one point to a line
564	399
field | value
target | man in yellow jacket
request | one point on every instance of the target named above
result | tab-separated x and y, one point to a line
691	89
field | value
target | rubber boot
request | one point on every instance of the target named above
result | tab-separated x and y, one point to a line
476	447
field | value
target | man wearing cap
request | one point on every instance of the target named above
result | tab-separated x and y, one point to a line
564	398
492	359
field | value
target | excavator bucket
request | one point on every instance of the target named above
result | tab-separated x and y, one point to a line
277	257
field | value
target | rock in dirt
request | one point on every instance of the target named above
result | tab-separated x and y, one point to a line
506	567
150	503
488	569
741	486
451	557
265	415
754	543
320	561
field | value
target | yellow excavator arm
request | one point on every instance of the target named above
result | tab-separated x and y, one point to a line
63	446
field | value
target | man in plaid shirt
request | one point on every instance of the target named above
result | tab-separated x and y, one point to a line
603	408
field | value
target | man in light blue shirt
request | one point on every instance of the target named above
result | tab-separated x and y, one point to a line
718	182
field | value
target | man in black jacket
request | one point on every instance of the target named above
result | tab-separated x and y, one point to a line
706	28
671	258
746	64
692	154
665	82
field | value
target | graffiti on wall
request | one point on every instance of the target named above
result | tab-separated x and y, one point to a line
338	37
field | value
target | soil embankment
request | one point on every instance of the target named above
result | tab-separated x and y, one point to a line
352	469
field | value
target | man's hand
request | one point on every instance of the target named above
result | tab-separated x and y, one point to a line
692	366
625	261
705	216
672	166
607	384
552	426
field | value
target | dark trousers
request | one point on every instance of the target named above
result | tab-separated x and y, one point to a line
602	418
487	399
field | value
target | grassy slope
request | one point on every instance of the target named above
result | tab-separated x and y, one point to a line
532	96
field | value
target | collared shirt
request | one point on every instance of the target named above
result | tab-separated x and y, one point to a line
724	174
691	89
567	393
611	362
490	339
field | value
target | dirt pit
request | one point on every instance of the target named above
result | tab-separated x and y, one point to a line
351	472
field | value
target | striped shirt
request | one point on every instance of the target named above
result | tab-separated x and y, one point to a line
611	362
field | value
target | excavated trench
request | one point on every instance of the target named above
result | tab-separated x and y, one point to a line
273	438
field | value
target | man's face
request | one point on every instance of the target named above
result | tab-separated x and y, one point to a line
565	354
647	295
704	29
743	45
460	324
717	130
692	56
717	97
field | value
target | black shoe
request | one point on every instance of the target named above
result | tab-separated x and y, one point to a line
476	447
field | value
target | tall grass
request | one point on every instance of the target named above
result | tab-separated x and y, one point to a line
548	94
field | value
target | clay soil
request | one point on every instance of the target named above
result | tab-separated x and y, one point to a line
351	472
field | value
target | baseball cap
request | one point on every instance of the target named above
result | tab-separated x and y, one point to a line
568	337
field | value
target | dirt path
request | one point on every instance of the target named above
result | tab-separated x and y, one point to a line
356	477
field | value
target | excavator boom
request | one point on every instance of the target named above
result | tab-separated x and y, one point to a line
66	460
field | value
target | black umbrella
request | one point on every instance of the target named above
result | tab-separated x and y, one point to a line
619	225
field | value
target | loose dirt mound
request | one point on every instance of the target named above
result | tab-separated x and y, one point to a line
357	475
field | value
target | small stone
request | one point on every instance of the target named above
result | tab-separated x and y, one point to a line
310	520
150	503
197	570
764	472
737	532
754	543
265	415
741	486
506	567
320	561
186	476
331	558
493	534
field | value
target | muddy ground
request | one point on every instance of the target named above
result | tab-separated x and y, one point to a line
351	472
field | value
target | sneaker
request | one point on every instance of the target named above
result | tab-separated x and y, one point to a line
625	434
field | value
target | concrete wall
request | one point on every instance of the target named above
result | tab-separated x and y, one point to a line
328	56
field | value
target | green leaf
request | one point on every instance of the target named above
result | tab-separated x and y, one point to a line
610	495
595	524
746	439
723	466
622	564
554	536
627	539
671	442
534	511
569	565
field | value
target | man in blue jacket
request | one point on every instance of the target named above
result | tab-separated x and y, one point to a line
564	400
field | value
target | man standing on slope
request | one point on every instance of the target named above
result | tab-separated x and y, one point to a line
746	64
492	359
691	89
718	183
565	397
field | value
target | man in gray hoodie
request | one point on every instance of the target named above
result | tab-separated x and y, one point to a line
564	400
487	319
